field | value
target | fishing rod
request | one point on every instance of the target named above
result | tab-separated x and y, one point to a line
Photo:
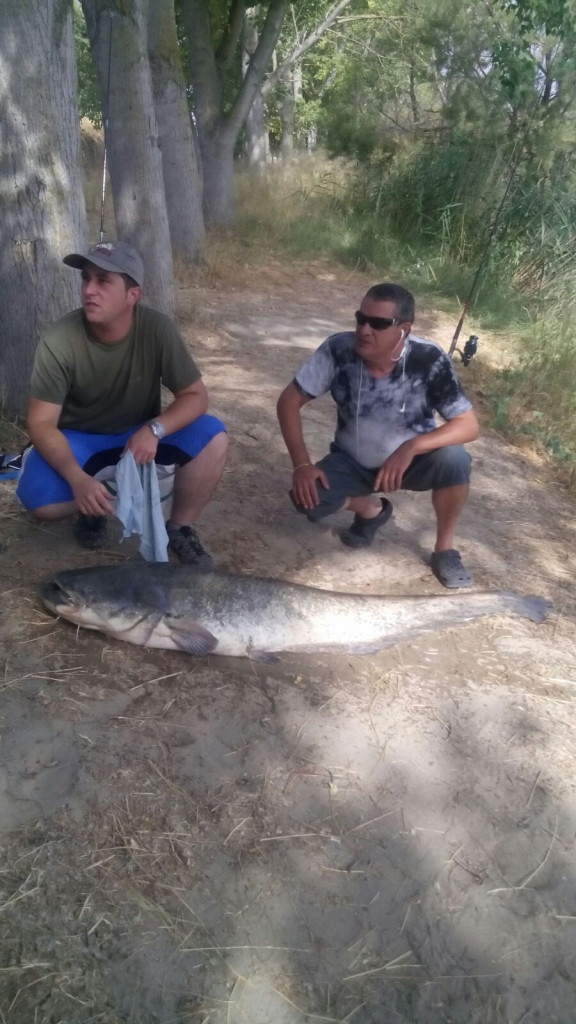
471	346
105	125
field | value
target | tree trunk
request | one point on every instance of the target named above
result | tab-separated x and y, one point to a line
218	170
217	130
292	92
256	127
40	185
132	142
182	179
257	140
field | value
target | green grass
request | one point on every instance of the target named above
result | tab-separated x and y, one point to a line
310	208
316	207
12	436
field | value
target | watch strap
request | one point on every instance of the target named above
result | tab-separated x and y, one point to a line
157	429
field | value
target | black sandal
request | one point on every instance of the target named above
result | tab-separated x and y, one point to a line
186	545
448	567
362	532
91	531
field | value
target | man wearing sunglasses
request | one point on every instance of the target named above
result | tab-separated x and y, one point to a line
387	385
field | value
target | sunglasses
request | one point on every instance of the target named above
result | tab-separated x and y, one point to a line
377	323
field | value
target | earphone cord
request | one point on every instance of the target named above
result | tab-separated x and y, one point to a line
403	406
402	357
358	409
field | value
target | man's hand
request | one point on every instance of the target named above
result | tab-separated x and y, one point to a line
390	474
143	445
92	497
304	486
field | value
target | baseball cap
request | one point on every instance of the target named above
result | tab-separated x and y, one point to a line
117	257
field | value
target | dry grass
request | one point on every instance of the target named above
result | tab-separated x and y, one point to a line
13	437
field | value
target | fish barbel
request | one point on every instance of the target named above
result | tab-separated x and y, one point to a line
176	607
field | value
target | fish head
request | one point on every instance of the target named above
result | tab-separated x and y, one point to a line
98	600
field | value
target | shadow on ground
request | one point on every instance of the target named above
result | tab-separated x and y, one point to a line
364	840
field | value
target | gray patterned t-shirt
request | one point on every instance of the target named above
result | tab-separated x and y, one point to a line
377	414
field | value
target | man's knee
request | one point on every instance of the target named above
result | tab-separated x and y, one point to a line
219	445
215	449
346	479
329	502
205	434
53	513
443	467
452	468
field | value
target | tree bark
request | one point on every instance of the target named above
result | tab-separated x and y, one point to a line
292	92
182	179
256	128
218	172
132	141
217	130
41	198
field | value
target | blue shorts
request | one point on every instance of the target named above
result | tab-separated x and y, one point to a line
40	485
443	467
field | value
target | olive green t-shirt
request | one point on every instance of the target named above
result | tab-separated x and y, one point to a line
107	388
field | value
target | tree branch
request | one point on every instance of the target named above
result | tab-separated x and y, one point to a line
373	17
303	47
203	70
257	67
229	42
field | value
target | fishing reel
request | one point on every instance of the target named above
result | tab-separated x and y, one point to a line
470	349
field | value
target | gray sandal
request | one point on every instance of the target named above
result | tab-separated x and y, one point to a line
448	567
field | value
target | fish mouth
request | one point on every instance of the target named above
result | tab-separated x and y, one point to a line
56	598
65	603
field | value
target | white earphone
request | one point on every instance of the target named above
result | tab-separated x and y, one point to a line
402	356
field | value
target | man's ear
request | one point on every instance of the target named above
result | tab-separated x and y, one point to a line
134	295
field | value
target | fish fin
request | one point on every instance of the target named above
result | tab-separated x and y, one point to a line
368	648
371	647
190	636
535	608
264	656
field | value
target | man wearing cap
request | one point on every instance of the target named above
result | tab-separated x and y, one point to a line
95	393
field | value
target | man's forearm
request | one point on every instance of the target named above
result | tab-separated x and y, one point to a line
294	439
460	430
182	411
52	445
290	420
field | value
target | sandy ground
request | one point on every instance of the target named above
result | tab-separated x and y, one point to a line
344	839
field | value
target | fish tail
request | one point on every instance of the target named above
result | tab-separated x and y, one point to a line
534	608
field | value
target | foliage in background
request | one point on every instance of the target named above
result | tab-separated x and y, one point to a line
88	94
424	107
308	208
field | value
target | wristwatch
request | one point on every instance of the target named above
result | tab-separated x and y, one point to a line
157	429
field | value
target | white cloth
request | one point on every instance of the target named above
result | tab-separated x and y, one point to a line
138	507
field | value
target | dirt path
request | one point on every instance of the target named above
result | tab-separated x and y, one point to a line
342	839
